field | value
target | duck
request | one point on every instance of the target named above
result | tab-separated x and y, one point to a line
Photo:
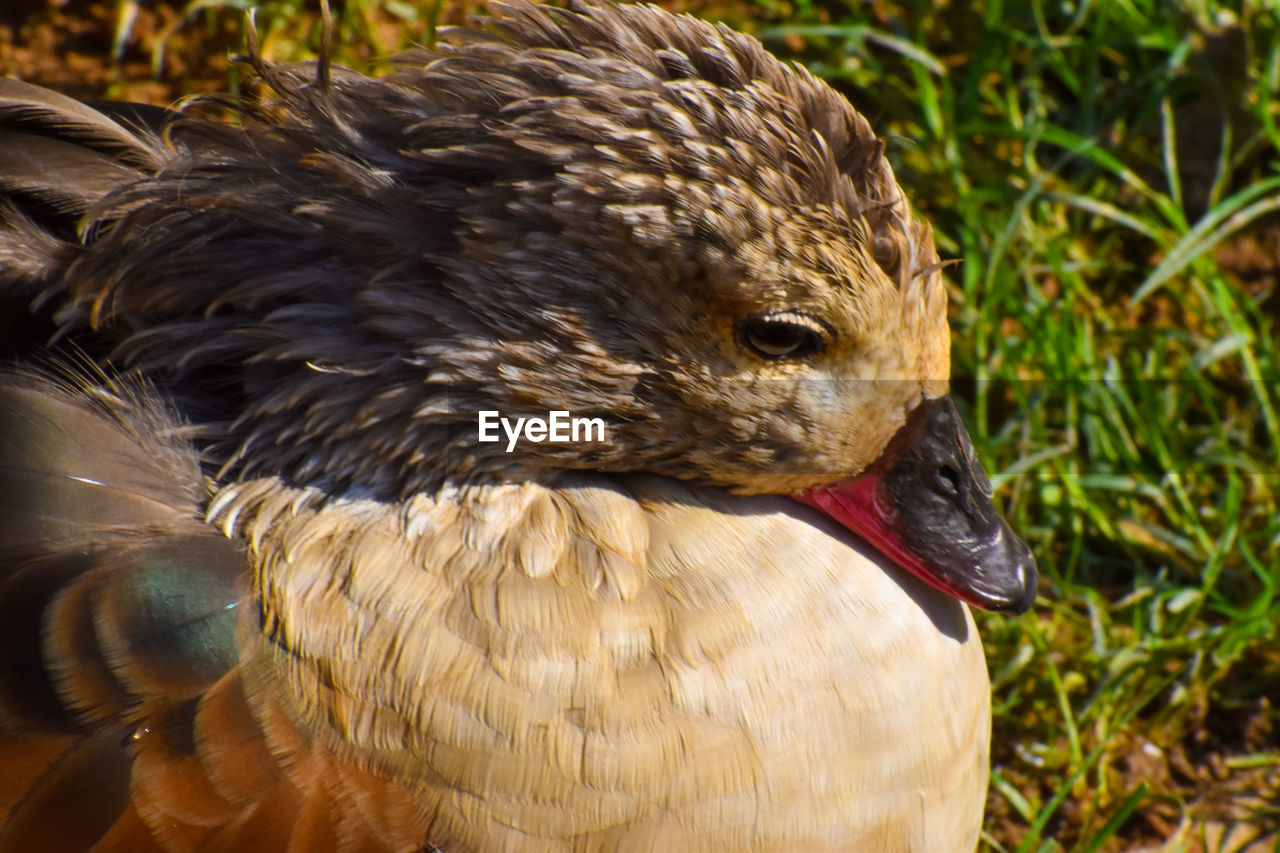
270	582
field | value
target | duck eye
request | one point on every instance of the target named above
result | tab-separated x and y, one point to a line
785	334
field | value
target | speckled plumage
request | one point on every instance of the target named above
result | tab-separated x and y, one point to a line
412	638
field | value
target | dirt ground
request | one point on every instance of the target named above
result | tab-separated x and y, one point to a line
69	47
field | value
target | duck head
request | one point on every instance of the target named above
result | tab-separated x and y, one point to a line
609	211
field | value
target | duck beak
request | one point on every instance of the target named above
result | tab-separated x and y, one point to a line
926	505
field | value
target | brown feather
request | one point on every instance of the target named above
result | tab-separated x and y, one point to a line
64	176
40	111
77	799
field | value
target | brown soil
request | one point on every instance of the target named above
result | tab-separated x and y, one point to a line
68	47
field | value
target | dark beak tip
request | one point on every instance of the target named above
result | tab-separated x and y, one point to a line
1018	593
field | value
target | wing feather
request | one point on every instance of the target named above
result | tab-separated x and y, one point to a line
136	712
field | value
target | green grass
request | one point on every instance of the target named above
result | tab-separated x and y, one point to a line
1086	161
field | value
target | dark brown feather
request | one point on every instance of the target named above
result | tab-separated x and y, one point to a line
41	111
64	178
